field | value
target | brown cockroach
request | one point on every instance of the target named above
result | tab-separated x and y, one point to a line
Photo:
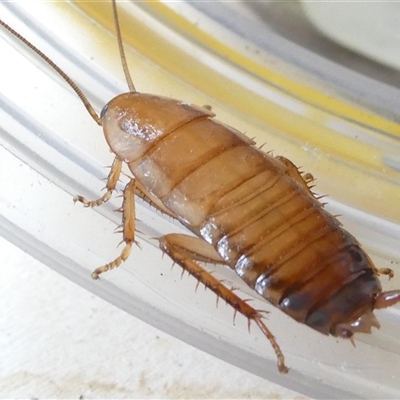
248	210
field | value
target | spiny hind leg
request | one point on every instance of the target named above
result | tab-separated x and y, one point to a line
154	201
182	249
128	229
112	181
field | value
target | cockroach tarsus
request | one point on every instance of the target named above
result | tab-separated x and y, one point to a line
247	209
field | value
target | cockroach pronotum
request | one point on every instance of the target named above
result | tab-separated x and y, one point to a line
247	209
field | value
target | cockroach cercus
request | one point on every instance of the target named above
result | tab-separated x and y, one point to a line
247	210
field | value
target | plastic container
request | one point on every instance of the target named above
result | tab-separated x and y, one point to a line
252	65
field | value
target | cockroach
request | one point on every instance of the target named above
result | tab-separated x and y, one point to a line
247	209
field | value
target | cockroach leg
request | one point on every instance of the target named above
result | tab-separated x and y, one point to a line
154	201
112	181
128	229
194	248
385	271
181	247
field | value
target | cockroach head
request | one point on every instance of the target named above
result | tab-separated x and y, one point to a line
133	122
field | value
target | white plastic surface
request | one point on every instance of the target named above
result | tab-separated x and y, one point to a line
66	343
51	150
